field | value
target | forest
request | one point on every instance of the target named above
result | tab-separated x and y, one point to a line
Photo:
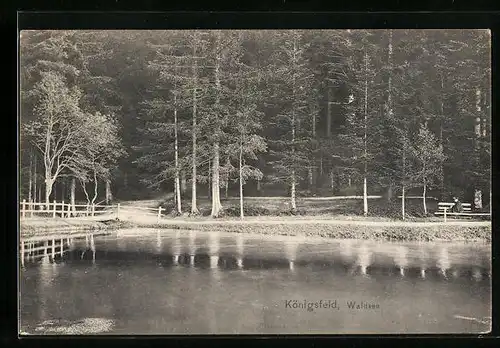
218	114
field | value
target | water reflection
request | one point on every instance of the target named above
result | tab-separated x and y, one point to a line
199	282
443	261
364	259
204	250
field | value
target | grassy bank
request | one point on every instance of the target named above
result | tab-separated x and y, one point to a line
381	230
47	226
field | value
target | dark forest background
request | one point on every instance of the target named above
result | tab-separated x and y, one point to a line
135	114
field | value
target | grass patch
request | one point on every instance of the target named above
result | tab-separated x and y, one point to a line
388	233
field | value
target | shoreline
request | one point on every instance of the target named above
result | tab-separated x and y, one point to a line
288	226
48	226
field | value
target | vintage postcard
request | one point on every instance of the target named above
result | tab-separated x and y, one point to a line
254	182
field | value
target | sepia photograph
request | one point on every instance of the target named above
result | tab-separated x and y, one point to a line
262	182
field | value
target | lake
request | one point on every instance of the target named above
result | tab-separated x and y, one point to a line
147	281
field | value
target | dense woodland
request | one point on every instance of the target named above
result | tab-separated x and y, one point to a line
131	114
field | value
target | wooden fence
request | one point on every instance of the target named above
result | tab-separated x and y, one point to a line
66	210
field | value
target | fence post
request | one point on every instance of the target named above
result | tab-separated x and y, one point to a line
32	207
118	210
23	210
93	209
54	210
445	210
159	214
62	209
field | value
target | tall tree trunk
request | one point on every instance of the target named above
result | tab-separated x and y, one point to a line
109	195
403	183
365	143
258	185
424	197
240	163
216	204
332	181
40	193
183	181
478	204
310	175
328	115
293	193
72	195
84	187
209	180
293	180
403	201
176	148
48	188
96	185
312	170
30	174
194	208
226	177
321	165
441	141
36	197
63	189
389	103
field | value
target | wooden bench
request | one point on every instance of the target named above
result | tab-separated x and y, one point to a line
444	208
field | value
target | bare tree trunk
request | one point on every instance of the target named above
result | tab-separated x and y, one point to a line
365	197
365	138
292	193
478	204
226	177
332	181
35	183
183	182
310	176
328	115
424	197
96	184
312	171
209	180
176	147
30	174
216	204
403	201
321	165
441	141
258	185
109	195
48	188
389	102
194	208
84	187
40	193
72	198
403	181
240	163
63	189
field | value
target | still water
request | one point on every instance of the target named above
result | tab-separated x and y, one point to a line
187	282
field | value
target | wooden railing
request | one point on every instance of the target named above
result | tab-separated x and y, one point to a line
62	209
67	210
